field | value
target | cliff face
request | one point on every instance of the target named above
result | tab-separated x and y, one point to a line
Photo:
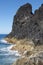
26	29
28	25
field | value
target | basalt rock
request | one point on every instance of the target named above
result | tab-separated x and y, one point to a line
28	25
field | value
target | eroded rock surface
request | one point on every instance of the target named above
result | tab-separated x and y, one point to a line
34	59
28	25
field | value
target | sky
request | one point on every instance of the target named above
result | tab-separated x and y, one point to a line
8	9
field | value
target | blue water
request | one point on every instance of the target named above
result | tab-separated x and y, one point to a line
7	56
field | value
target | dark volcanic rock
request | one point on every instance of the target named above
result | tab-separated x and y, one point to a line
28	25
38	29
21	21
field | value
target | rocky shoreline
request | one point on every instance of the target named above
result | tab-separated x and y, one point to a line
34	59
27	34
30	54
21	45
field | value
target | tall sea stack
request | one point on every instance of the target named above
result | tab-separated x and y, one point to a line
28	25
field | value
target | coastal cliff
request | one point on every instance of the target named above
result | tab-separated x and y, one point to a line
27	34
28	25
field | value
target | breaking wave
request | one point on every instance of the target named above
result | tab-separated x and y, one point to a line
7	49
3	41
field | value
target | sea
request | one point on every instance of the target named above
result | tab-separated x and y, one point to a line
7	56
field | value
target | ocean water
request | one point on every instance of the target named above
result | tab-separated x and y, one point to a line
7	56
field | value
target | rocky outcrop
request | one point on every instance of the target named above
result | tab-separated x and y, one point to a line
27	31
28	25
35	59
21	21
38	29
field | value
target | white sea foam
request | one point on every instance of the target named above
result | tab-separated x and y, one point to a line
11	53
8	51
4	41
7	48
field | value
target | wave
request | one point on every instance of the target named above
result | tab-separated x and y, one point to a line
3	41
8	48
14	53
8	51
